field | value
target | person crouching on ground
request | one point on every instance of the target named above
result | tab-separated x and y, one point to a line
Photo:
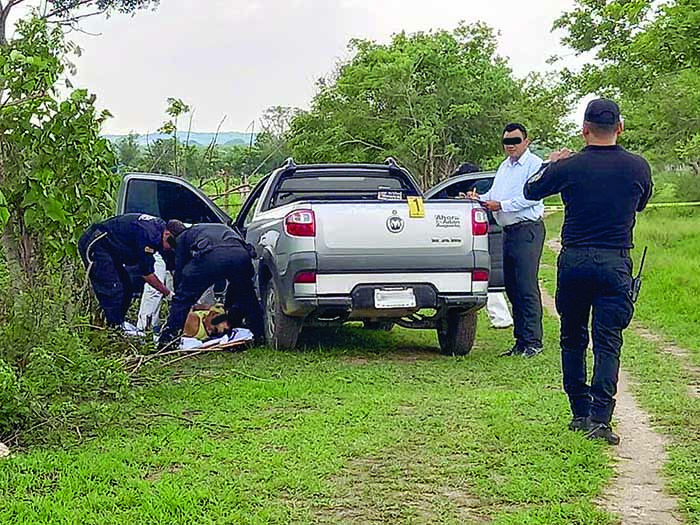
205	254
106	248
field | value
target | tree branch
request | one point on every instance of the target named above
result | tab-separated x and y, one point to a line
77	18
63	10
8	104
364	143
237	189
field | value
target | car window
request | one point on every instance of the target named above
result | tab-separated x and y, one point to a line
167	200
481	185
252	204
341	186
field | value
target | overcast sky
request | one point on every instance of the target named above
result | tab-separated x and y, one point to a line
238	57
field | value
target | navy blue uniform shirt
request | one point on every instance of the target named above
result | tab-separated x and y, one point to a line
202	238
602	188
133	238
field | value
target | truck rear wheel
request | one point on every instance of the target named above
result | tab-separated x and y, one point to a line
281	331
457	333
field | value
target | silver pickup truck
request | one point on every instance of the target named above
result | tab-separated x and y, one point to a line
339	243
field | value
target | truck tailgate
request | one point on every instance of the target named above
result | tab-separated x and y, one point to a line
372	237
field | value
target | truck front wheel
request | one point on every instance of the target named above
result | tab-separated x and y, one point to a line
281	331
457	333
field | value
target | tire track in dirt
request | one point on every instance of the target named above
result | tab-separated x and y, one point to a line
637	492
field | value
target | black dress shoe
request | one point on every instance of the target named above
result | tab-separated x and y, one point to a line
580	424
603	431
516	350
532	351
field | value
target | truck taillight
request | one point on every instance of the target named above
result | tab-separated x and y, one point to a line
305	278
480	222
480	276
300	223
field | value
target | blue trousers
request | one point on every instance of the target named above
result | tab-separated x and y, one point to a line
597	281
110	280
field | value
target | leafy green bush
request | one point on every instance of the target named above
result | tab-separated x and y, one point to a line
54	372
9	394
688	187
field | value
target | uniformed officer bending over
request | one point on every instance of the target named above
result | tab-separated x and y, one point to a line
126	240
205	254
523	238
603	187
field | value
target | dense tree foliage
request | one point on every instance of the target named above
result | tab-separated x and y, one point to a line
54	167
647	54
432	100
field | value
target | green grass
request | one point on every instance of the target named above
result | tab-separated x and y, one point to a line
360	427
669	303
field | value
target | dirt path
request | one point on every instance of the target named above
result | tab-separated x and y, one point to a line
637	492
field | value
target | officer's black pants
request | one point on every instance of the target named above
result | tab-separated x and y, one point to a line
598	280
231	263
522	250
109	278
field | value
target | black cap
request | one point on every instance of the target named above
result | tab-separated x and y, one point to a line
175	227
602	111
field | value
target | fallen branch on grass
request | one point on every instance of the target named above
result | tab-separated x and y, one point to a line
135	362
183	418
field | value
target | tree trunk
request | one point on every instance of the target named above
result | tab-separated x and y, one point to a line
13	258
3	26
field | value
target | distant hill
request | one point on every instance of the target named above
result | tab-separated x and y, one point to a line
224	138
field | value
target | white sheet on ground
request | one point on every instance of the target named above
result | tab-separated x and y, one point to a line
239	334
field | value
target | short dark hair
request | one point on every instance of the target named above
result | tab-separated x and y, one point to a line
175	227
602	129
515	126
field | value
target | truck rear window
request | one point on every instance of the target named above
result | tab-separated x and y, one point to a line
382	186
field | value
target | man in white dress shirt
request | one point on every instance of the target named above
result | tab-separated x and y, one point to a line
523	238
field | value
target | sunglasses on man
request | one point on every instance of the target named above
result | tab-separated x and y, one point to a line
512	141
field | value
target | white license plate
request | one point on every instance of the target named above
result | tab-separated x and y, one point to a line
404	298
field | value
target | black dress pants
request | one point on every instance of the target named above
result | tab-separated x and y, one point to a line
522	250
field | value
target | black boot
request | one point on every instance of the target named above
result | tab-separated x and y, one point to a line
516	350
580	424
603	431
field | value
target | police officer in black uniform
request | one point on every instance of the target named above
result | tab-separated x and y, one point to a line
205	254
603	187
125	240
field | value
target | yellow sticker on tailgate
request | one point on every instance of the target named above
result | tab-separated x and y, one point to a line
415	207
